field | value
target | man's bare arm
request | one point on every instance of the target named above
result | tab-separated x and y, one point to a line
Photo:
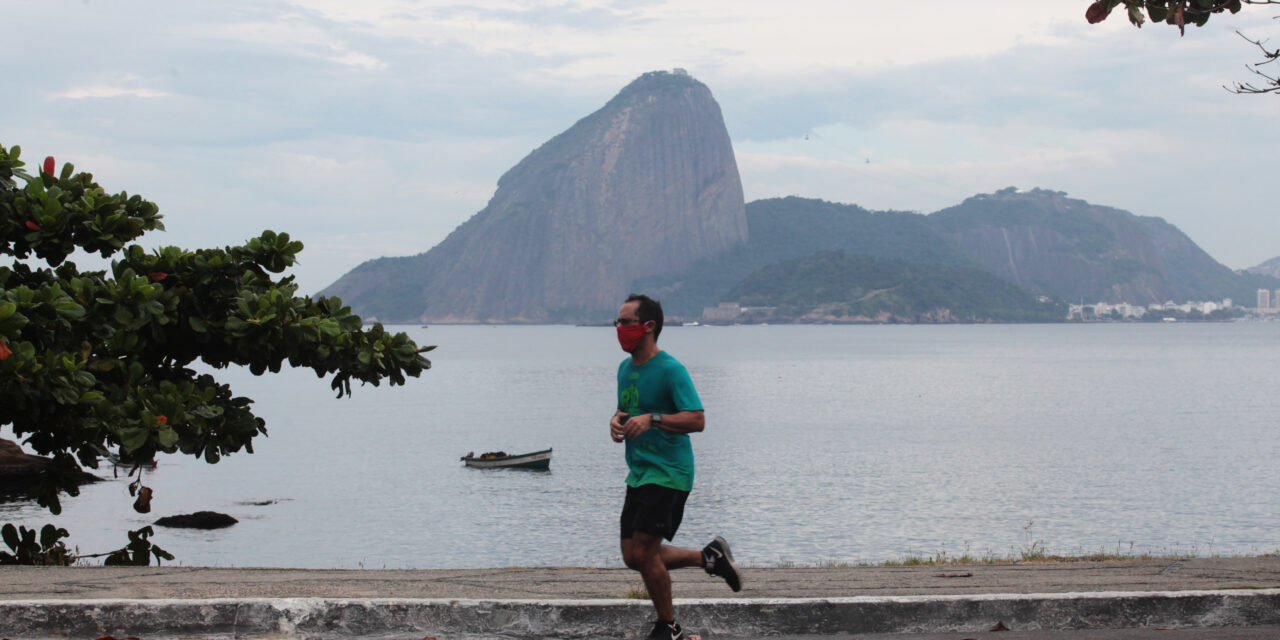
680	422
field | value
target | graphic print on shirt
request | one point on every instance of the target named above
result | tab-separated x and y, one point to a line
629	398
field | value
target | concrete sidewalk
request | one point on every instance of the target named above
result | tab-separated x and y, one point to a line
163	602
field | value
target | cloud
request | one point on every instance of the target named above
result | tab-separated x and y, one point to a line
388	122
752	37
294	35
925	166
103	91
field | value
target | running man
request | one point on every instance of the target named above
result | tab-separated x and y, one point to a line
657	410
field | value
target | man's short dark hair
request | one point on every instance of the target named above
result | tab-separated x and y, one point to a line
650	310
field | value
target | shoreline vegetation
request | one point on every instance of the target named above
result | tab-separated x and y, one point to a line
1024	556
1033	551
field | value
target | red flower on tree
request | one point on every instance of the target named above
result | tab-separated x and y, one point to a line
48	165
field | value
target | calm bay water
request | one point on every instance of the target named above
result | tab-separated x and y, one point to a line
823	443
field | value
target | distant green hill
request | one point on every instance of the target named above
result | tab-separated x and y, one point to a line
1040	242
1080	252
834	286
788	228
1269	268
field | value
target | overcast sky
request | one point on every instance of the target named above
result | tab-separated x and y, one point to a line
376	127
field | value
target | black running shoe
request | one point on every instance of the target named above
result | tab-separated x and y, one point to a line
664	631
717	559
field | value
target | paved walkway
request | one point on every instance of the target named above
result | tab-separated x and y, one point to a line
41	583
584	603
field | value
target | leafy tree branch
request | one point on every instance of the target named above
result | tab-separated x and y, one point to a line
1179	13
96	362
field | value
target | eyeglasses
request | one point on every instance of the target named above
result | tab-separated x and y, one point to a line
625	322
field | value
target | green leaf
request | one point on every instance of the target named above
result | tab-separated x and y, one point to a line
167	437
10	534
49	535
197	324
132	439
161	554
69	310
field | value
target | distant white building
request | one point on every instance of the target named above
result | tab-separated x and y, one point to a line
1130	311
1126	311
724	312
1264	299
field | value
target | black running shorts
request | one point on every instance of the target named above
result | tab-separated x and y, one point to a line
652	509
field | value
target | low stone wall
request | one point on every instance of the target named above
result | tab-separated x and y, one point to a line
309	618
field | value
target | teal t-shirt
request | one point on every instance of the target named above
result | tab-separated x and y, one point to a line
657	456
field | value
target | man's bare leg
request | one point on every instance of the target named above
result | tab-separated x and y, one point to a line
646	553
680	558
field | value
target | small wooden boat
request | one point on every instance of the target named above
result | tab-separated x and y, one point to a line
538	460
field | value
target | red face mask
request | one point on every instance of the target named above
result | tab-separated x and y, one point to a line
629	336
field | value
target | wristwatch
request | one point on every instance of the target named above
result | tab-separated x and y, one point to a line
655	418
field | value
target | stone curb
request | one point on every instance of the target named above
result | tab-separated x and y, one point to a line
313	618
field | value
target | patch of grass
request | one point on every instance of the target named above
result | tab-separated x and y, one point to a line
1026	555
783	563
637	593
1033	550
940	558
833	564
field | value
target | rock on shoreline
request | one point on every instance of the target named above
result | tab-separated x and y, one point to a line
198	520
19	470
16	463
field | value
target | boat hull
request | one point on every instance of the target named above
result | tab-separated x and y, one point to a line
537	460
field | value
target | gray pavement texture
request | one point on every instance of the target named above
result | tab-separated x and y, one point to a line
1149	633
1169	596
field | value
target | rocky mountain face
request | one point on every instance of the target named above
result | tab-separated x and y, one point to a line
1269	268
1048	243
645	186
